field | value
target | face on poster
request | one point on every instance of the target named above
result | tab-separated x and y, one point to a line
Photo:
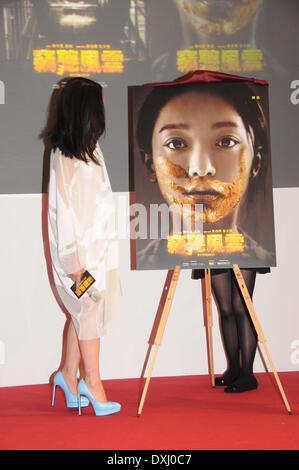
202	152
218	35
218	17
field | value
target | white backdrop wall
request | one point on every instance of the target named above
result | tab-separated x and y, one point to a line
31	321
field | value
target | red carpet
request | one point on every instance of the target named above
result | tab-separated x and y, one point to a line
179	413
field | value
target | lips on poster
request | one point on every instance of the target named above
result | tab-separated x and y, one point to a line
200	173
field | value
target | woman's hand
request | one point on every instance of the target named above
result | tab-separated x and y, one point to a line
76	277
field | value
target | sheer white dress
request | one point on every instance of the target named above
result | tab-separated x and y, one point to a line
83	234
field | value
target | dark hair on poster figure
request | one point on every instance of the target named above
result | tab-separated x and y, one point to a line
80	119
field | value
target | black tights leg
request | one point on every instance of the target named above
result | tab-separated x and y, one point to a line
246	331
238	332
222	288
246	334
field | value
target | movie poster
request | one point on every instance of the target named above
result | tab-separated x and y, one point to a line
129	42
200	173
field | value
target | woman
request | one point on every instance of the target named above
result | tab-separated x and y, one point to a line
82	235
209	145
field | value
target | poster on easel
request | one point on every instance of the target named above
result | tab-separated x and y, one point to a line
200	173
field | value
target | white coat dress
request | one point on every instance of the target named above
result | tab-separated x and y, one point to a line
83	234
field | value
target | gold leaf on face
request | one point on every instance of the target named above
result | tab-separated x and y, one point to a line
174	182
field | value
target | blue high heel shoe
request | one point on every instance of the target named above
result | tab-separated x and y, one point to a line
70	398
100	409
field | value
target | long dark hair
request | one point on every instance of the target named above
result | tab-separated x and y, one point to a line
79	120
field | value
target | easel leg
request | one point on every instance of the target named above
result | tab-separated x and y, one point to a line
258	328
208	320
159	326
262	358
147	380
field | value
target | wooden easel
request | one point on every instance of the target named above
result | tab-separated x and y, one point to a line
162	317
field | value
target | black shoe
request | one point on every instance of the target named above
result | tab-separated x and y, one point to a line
220	381
227	378
242	385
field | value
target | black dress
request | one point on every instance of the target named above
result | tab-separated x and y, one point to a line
200	274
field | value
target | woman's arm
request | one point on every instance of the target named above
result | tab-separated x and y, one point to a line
67	239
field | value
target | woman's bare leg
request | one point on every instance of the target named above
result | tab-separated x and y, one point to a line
72	359
90	351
